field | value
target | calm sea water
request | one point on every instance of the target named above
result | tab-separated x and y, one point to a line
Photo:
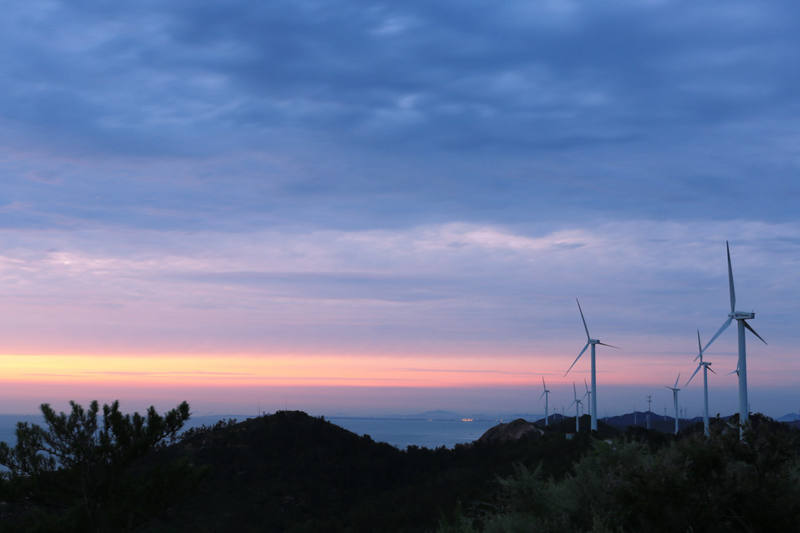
399	432
420	432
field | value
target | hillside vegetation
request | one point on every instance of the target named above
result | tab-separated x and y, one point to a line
293	472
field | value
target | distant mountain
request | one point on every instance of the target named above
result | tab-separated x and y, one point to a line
665	424
790	417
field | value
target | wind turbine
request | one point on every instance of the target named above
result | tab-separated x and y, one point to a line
675	390
741	318
590	342
649	408
577	403
588	394
706	366
546	395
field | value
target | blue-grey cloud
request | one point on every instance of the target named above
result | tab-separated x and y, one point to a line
235	114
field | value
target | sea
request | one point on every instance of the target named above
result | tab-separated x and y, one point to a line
397	431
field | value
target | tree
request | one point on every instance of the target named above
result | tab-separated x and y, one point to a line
80	458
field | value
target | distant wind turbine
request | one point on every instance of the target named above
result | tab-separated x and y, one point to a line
590	342
741	367
649	403
706	366
588	394
546	394
577	403
675	390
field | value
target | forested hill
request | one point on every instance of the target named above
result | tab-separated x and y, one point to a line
293	472
284	472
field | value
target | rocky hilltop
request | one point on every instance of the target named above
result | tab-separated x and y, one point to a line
511	431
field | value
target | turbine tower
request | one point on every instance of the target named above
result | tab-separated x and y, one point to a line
577	403
649	408
706	366
741	318
593	343
546	395
675	390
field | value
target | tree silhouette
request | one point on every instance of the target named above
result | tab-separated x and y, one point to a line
81	457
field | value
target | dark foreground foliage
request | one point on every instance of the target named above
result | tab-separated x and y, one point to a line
648	482
293	472
80	472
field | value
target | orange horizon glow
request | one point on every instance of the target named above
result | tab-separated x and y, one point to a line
248	370
214	370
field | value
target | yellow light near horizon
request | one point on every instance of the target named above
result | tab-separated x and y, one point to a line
316	370
212	370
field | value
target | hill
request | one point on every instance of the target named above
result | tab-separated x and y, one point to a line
296	473
662	423
566	425
291	472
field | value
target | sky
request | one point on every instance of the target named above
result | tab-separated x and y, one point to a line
358	207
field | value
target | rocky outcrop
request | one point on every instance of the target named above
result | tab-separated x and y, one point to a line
510	431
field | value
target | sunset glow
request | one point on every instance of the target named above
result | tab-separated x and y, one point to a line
264	370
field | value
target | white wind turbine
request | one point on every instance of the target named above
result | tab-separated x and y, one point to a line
675	390
706	366
741	367
546	394
593	343
577	403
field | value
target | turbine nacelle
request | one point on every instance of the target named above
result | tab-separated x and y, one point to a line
741	315
674	388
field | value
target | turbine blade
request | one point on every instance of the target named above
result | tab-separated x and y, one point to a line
676	381
696	370
753	331
574	391
542	396
543	384
711	369
610	345
586	385
584	320
699	348
719	332
576	359
730	277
